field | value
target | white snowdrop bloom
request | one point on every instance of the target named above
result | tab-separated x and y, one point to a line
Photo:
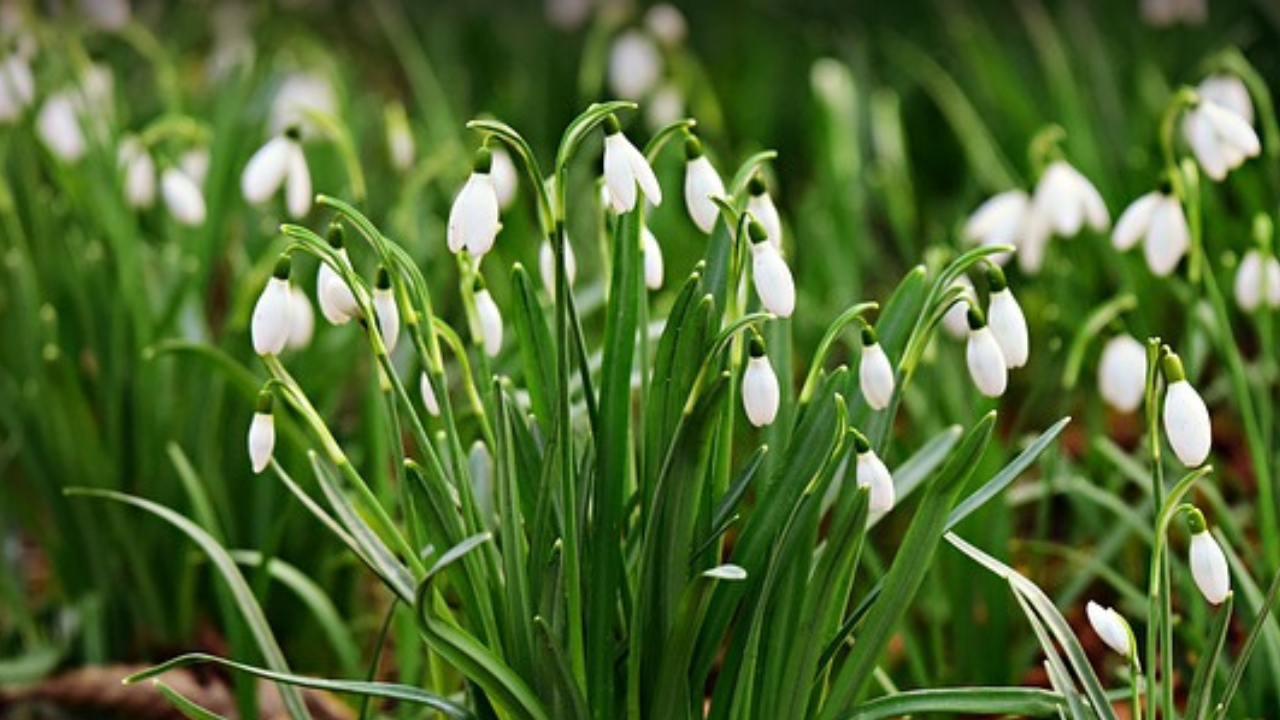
270	325
770	274
1005	318
280	161
139	173
1122	373
1257	279
401	147
761	207
1220	139
1186	418
547	265
297	191
262	433
429	400
956	321
473	219
58	125
195	163
635	65
873	474
302	319
875	374
1229	92
337	302
490	321
384	306
1064	201
300	94
701	183
1158	220
1160	13
183	197
1208	562
653	266
17	86
505	179
624	168
106	14
666	23
664	106
760	394
999	220
985	358
1111	627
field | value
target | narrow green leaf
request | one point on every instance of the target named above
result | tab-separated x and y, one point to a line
1018	702
537	354
187	707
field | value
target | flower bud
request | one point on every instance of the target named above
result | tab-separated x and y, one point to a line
760	393
624	168
337	302
653	267
985	358
429	400
761	207
302	319
473	219
701	183
262	433
384	305
1122	373
875	374
872	473
1186	419
1208	562
769	272
1111	627
1005	318
490	321
270	325
183	197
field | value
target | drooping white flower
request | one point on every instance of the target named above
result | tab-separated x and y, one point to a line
1186	418
701	183
1227	91
262	433
1208	562
760	394
302	319
384	305
1111	627
664	106
490	321
1005	318
987	365
17	86
505	179
875	374
106	14
761	207
1221	139
58	125
873	474
653	267
1064	201
183	197
473	219
337	302
280	161
1122	373
666	23
625	167
299	95
999	220
297	191
139	173
429	400
1158	220
770	274
270	325
956	321
195	163
547	265
1257	280
635	65
400	144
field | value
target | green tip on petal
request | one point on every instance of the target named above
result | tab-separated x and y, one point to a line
1195	521
976	319
611	126
283	266
869	336
293	132
995	278
265	401
484	160
692	148
383	281
336	234
478	284
1171	364
860	443
756	185
756	347
756	232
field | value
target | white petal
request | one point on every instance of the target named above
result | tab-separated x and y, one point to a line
59	127
955	321
1209	568
139	174
473	219
1273	282
1110	627
772	278
298	188
1168	239
760	391
337	303
1122	373
1228	92
998	219
195	163
266	170
1186	423
644	175
1034	243
490	323
183	197
653	268
1135	221
635	65
1056	199
262	440
763	210
1205	144
384	304
1095	210
429	400
17	87
302	319
270	323
872	473
875	376
505	180
1232	128
667	23
618	175
1009	326
547	265
701	182
986	363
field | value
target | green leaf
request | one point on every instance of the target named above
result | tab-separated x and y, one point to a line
537	354
1015	701
184	705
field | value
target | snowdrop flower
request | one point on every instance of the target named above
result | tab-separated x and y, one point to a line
1208	562
1158	220
384	306
429	400
1186	419
262	433
270	325
1122	373
17	86
337	302
139	173
1112	628
505	180
1257	280
624	168
873	474
635	65
400	144
1064	201
183	197
653	267
58	125
666	23
299	95
473	219
1005	318
106	14
1221	139
985	358
490	320
280	162
999	220
772	277
664	106
875	374
759	386
302	319
547	265
1229	92
195	163
701	183
956	321
761	207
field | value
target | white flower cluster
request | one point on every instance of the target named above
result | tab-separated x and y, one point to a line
998	340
